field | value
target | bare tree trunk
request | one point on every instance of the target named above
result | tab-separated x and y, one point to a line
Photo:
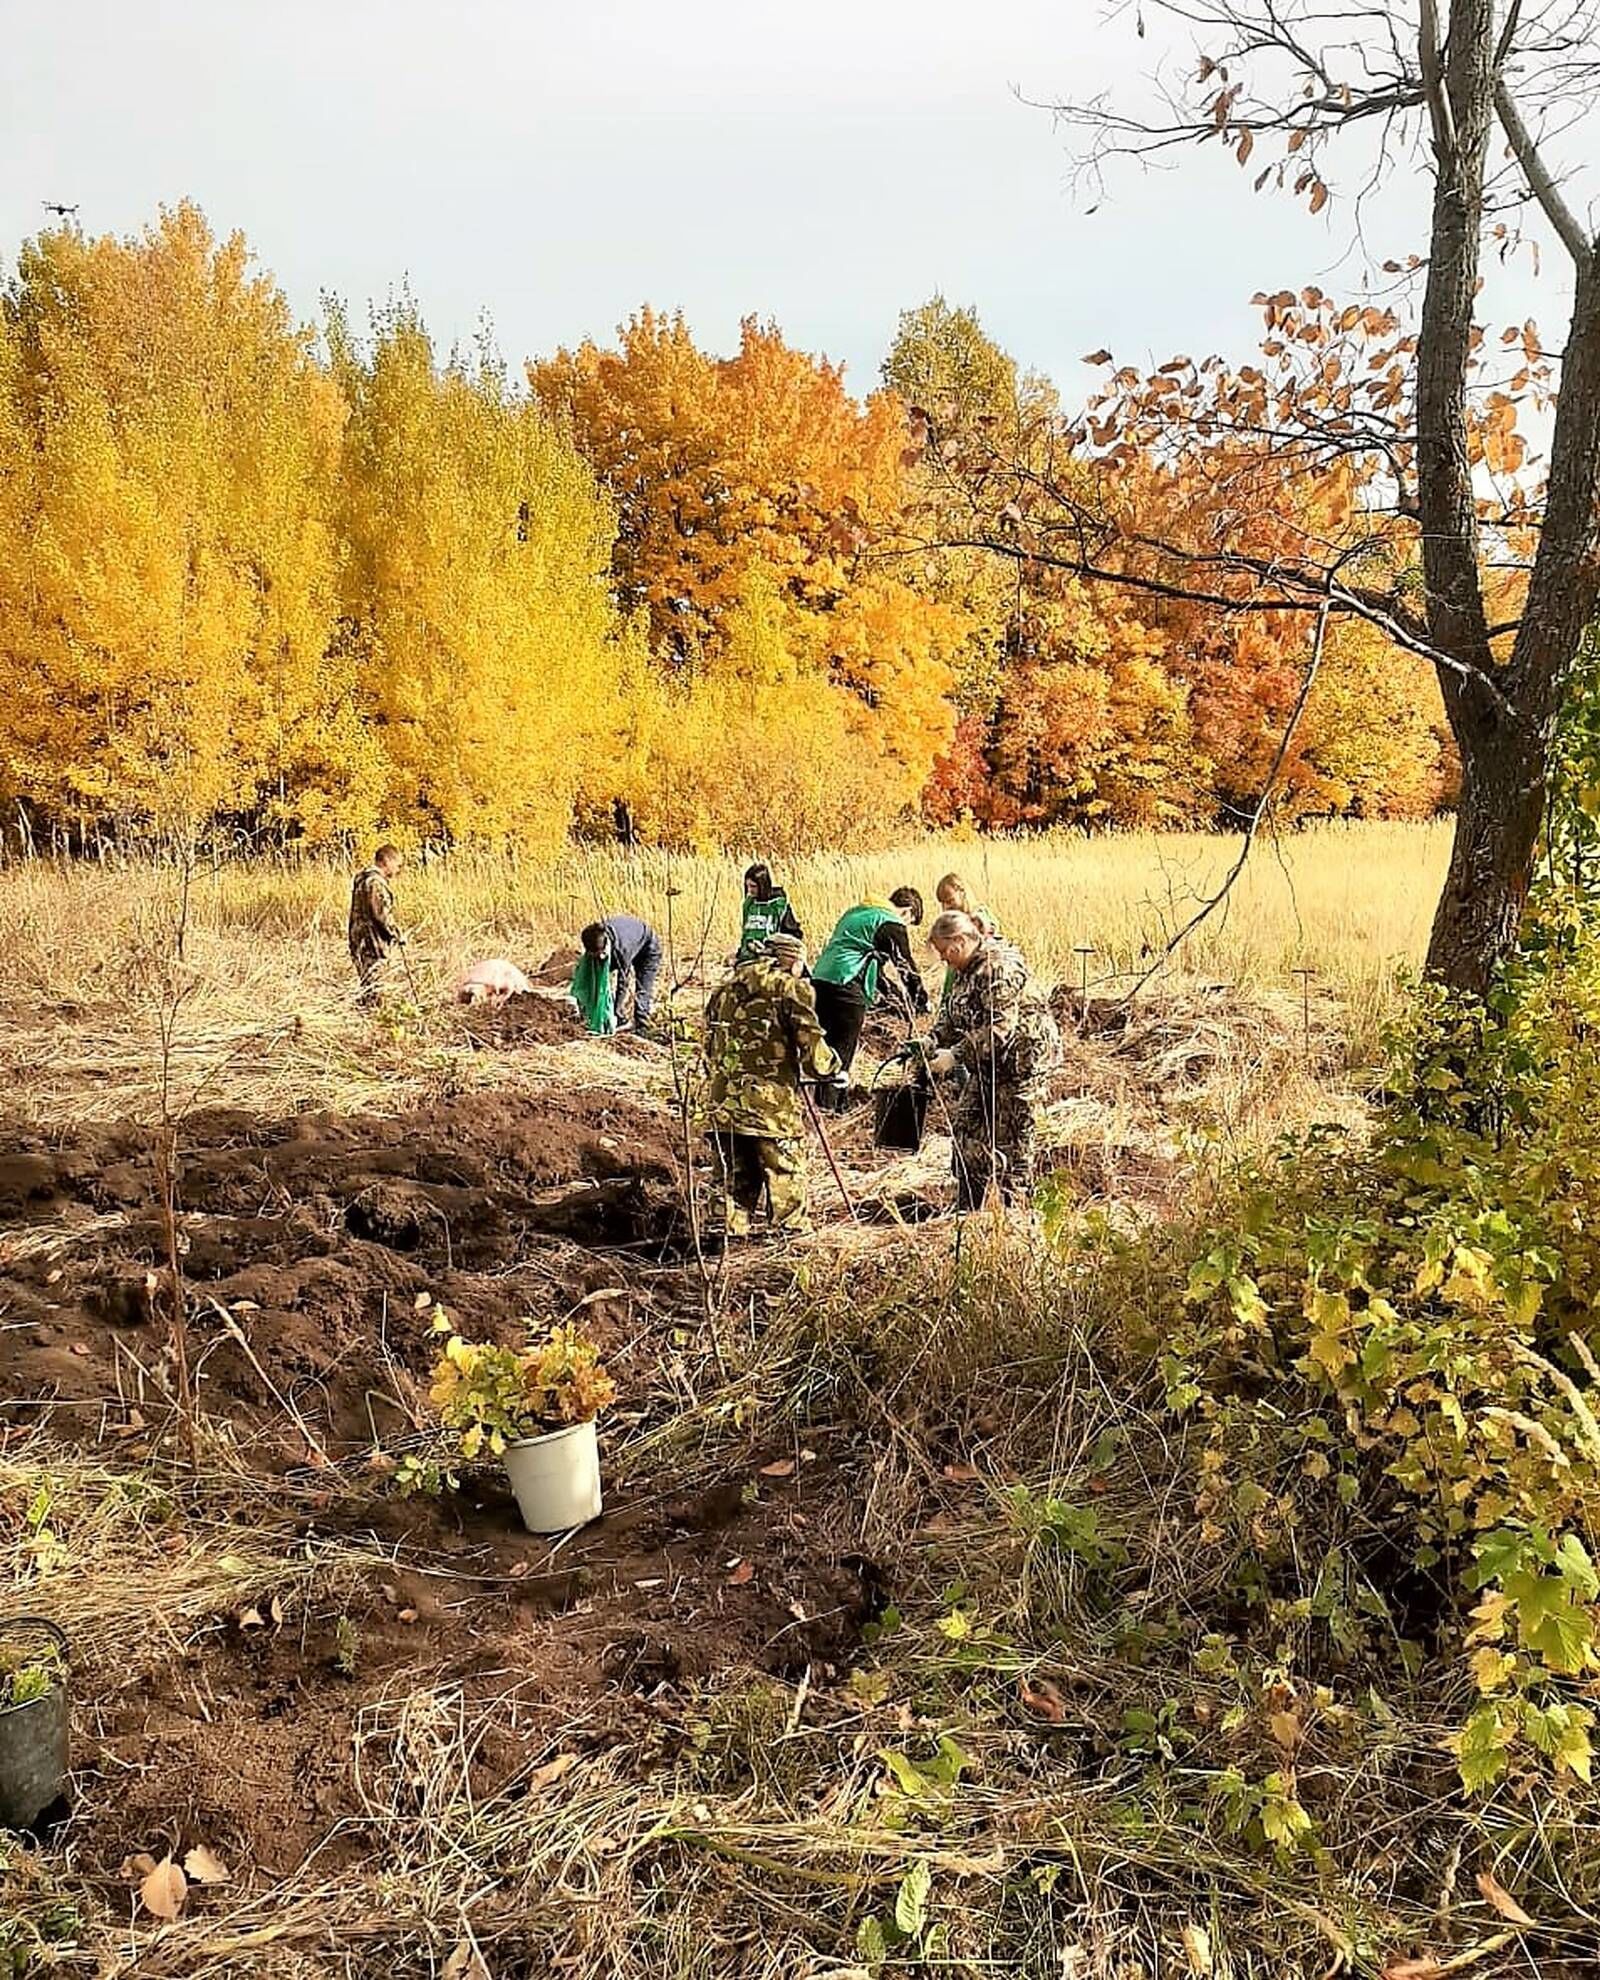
1497	832
1505	756
1502	781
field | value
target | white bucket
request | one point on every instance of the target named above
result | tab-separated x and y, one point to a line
556	1478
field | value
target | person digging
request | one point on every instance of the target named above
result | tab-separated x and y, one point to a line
373	930
763	1038
868	944
995	1029
617	974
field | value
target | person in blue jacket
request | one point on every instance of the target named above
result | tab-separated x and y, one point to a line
632	950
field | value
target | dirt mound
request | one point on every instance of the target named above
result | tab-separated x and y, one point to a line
1171	1040
307	1245
530	1018
556	969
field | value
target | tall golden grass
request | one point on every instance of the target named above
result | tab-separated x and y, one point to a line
265	940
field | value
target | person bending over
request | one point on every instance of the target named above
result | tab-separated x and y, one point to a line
629	952
869	945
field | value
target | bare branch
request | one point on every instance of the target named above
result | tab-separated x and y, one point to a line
1259	814
1543	187
1440	114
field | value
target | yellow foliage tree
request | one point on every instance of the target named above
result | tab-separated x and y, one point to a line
474	591
753	749
172	448
759	477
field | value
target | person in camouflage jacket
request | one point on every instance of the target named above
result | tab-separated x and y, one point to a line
996	1033
373	929
762	1039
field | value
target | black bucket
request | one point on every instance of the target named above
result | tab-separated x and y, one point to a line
33	1735
900	1114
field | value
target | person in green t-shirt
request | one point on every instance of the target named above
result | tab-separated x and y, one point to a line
866	942
766	913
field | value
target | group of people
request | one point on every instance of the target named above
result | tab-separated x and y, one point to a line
778	1026
775	1027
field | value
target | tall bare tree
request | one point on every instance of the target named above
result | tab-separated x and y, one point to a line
1408	400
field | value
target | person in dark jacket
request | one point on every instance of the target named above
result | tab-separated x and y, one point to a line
866	942
766	913
373	928
633	950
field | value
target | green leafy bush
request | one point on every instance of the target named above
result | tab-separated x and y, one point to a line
1404	1339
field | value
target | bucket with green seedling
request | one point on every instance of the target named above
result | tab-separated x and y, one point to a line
33	1718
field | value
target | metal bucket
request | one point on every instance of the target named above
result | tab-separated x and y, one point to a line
33	1736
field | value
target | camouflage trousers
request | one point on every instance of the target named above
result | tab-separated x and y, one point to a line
368	955
995	1127
754	1166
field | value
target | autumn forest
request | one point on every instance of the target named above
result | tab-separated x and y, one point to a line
293	582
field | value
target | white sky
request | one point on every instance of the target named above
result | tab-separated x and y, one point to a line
555	163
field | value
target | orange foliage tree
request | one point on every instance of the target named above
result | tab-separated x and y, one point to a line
760	474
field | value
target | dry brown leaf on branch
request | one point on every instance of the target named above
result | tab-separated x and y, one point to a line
202	1865
1286	1729
164	1890
1495	1893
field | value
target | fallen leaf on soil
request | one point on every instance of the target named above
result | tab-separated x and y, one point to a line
275	1610
421	1304
807	1457
252	1619
465	1963
1426	1968
204	1866
784	1468
164	1890
80	1347
518	1569
655	1581
245	1306
962	1474
137	1866
552	1770
1043	1700
406	1616
51	1278
1197	1945
1495	1893
744	1572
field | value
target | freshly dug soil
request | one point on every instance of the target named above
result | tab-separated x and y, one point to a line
530	1018
315	1236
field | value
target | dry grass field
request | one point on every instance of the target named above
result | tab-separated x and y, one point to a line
762	1721
268	996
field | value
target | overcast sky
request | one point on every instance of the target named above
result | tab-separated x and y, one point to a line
556	165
